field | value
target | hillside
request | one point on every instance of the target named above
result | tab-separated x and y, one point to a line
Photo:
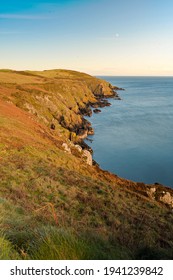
55	203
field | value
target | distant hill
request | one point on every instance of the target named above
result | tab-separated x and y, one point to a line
55	202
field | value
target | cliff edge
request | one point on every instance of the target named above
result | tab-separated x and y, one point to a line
54	202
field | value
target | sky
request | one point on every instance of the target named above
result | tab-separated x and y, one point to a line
100	37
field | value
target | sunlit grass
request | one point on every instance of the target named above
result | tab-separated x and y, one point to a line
53	205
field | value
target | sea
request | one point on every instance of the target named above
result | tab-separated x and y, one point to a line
134	136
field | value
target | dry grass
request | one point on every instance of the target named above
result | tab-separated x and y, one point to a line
45	191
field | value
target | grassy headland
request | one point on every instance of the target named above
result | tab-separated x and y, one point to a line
53	204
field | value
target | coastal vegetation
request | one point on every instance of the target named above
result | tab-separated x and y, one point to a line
55	202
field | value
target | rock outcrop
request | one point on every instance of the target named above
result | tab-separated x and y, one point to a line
151	192
66	148
96	111
46	175
167	199
87	155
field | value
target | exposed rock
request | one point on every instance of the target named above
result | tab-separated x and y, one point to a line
86	111
66	148
71	145
84	129
99	91
117	98
90	131
86	147
82	133
167	199
88	156
151	192
96	111
117	88
101	103
52	126
95	163
31	109
79	148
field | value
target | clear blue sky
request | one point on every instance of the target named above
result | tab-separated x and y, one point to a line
112	37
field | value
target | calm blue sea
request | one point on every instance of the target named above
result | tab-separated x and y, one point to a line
134	137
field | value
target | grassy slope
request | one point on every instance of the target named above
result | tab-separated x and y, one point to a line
53	205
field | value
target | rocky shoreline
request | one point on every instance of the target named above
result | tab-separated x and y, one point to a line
85	128
156	191
78	133
50	181
102	101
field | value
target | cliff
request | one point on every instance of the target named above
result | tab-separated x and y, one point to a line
51	195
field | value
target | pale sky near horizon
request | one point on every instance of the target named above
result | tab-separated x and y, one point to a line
100	37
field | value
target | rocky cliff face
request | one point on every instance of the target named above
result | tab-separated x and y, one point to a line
57	98
49	181
161	194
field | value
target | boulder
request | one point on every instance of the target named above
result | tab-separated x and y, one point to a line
79	148
66	148
96	111
82	133
87	155
90	131
167	199
151	192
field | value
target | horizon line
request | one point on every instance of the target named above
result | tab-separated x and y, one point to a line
98	75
